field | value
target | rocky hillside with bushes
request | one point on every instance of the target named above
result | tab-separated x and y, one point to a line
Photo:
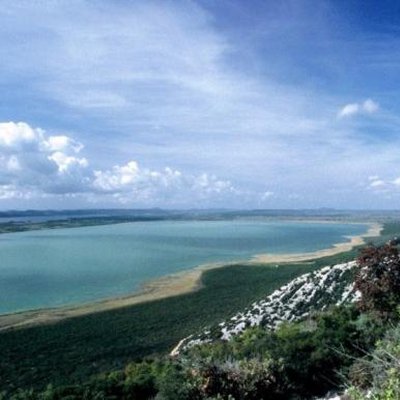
307	294
336	330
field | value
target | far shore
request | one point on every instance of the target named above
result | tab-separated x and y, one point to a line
172	285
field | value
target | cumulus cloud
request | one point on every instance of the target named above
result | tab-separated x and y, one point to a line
34	164
116	179
367	107
32	161
130	183
16	135
61	143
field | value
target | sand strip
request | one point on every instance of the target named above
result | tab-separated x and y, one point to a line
374	231
172	285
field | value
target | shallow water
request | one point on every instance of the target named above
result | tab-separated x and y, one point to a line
70	266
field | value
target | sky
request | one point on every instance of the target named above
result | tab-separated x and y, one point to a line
199	104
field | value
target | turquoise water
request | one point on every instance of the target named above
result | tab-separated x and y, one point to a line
69	266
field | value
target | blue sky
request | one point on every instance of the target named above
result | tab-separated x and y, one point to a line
182	104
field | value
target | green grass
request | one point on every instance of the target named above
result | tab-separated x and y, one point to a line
73	350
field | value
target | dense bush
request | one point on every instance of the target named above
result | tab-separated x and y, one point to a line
382	368
378	280
299	359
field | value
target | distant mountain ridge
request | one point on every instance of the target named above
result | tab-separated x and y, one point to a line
213	213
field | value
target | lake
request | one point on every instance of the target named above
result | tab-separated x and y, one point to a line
58	267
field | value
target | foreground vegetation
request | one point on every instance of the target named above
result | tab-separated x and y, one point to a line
298	360
106	355
75	349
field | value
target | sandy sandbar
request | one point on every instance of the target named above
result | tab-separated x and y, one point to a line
373	231
172	285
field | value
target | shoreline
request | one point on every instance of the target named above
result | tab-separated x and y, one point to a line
171	285
373	231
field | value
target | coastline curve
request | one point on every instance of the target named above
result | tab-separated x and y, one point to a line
172	285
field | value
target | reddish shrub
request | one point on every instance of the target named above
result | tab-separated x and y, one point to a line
378	279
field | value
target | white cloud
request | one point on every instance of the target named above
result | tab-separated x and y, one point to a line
131	184
32	161
116	179
349	109
62	142
377	183
52	166
207	184
172	68
16	135
367	107
384	186
66	163
180	90
11	192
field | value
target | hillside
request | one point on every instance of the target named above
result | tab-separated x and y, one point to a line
318	330
332	330
307	294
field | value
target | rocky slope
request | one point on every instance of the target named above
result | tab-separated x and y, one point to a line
331	285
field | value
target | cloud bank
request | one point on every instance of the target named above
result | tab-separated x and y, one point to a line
36	165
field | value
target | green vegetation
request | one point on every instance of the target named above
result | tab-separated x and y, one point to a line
105	355
12	226
297	361
379	371
75	349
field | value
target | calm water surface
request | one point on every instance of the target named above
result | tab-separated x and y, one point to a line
70	266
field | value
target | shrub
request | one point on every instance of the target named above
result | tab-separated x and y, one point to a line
298	359
384	370
378	280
